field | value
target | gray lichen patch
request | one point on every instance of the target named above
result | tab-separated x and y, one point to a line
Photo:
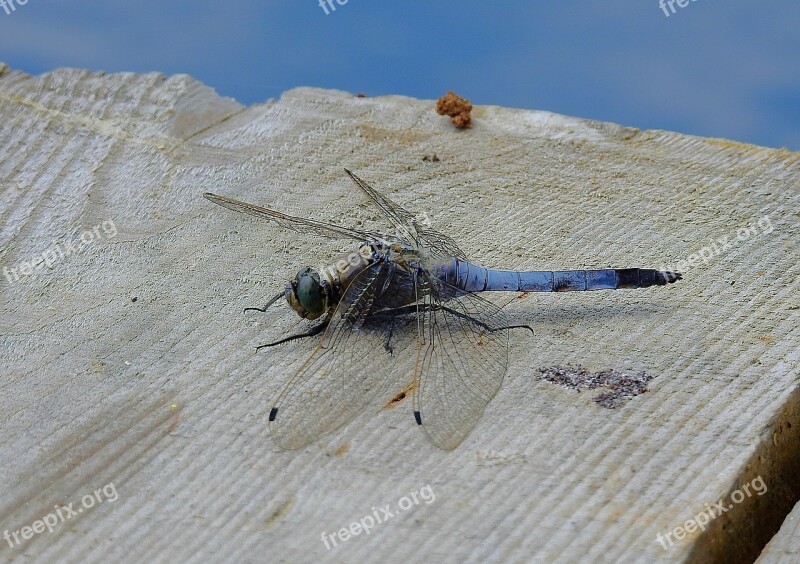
621	385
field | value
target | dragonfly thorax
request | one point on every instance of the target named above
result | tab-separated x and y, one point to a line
313	291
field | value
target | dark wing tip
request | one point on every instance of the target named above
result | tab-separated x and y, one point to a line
418	417
273	413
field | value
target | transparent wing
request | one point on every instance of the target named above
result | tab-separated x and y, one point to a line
402	220
340	378
461	363
297	224
439	245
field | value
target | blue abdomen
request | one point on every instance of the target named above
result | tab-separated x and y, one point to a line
474	278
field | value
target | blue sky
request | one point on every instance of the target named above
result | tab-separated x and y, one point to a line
716	69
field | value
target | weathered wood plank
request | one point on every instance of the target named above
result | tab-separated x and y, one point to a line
784	548
128	360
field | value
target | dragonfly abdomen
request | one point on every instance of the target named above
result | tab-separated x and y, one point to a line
475	278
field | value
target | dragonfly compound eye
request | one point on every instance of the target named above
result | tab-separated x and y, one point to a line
308	294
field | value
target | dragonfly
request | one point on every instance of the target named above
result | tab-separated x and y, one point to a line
413	283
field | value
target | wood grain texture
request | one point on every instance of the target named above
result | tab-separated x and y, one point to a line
129	361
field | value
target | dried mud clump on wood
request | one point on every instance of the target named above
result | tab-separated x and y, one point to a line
457	108
621	385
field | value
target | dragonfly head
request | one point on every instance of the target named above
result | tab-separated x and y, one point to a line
305	294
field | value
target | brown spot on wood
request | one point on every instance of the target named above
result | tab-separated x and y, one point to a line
621	385
173	422
278	514
400	396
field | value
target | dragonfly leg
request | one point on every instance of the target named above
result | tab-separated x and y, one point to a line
264	309
405	310
316	330
387	344
481	323
392	313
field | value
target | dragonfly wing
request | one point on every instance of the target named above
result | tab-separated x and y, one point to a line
402	219
297	224
340	379
438	244
462	361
